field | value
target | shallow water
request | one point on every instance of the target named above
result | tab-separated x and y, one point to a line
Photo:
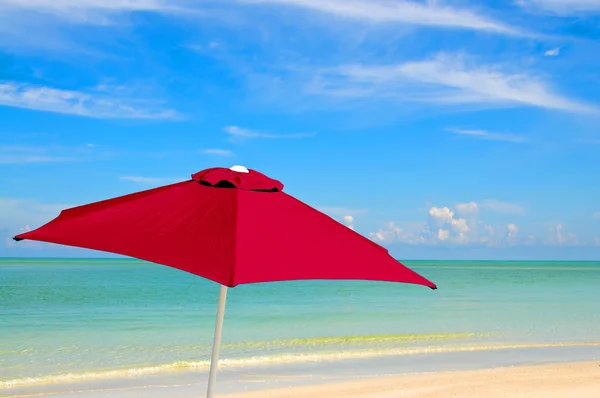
85	319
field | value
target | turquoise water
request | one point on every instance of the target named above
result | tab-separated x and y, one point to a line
76	319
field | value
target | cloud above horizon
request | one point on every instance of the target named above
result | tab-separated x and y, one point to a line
95	103
152	180
386	103
562	7
463	226
105	13
94	12
218	152
399	12
237	134
13	154
446	79
501	207
486	135
20	215
336	211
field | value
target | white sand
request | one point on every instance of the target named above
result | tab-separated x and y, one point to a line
567	380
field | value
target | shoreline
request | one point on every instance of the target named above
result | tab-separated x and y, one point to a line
288	359
560	380
319	378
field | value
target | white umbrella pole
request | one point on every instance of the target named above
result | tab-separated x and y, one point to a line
214	362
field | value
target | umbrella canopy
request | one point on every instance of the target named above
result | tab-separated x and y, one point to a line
232	227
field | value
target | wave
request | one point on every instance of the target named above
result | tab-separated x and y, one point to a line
277	359
313	342
354	340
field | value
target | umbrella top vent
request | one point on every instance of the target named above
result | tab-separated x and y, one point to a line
237	177
239	169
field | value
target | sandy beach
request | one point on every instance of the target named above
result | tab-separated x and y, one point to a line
548	381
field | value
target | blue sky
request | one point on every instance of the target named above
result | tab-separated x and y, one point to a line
440	129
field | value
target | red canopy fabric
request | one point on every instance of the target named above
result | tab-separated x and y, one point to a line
227	226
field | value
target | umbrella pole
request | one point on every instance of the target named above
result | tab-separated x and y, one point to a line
214	362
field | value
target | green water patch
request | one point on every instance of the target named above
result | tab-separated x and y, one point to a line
355	340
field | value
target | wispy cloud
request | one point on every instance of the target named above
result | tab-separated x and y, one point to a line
341	211
472	208
558	236
562	7
96	12
15	213
446	79
22	159
239	133
15	154
21	215
150	180
596	214
399	12
595	142
552	52
501	207
485	135
217	152
93	103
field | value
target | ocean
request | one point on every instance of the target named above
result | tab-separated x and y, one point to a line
88	320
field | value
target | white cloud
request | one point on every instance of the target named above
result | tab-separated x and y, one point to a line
239	133
446	79
512	230
400	12
392	233
101	12
94	12
345	214
486	233
218	152
552	52
94	103
387	234
469	209
12	154
501	207
485	135
448	227
563	7
349	221
17	215
443	234
10	243
559	237
22	159
151	180
341	211
441	215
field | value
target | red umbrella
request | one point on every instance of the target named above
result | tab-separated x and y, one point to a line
232	226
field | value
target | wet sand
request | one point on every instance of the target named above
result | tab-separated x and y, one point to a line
563	380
